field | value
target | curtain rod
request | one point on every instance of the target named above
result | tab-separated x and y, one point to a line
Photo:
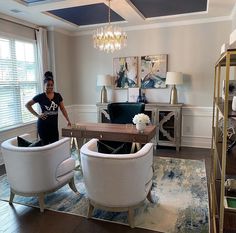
12	21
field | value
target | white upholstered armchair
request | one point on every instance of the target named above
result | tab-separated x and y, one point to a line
117	182
38	170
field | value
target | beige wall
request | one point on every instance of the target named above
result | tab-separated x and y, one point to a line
61	56
191	49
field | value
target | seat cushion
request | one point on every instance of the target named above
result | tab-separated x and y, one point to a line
25	143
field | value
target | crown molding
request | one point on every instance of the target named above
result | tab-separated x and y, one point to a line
60	30
163	25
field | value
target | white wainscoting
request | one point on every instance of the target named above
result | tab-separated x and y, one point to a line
196	127
196	124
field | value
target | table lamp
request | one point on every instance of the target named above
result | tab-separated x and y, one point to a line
104	81
174	78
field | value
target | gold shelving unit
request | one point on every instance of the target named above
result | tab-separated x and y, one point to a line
224	163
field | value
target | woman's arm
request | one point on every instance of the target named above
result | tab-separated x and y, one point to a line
29	107
64	112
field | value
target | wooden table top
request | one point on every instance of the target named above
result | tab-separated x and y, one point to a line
111	132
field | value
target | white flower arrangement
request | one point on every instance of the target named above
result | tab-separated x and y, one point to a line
141	118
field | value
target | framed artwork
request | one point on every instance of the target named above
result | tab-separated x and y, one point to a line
125	70
153	71
133	94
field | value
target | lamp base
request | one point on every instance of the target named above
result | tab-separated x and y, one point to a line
103	95
173	95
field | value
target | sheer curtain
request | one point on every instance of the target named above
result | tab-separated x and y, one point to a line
42	51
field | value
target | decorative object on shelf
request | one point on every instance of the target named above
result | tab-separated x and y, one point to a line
139	99
133	93
109	38
142	97
125	70
141	120
230	184
224	48
153	71
231	129
232	89
234	103
174	78
104	81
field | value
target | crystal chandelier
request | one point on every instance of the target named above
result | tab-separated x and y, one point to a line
109	38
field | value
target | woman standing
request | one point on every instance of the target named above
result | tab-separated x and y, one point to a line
49	102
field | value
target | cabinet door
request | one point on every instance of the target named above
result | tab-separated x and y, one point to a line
103	116
167	126
151	111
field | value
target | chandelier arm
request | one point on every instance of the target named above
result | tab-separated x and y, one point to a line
109	11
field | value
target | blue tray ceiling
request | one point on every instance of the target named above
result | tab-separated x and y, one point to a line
157	8
87	15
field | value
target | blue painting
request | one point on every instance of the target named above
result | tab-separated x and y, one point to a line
125	72
153	71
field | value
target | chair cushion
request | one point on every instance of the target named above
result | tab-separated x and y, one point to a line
25	143
112	147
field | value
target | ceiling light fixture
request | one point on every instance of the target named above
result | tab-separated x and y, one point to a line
109	38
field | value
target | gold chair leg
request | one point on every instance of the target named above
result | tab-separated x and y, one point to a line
90	210
72	185
131	217
149	197
41	202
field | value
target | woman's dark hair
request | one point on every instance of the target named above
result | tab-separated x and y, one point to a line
48	76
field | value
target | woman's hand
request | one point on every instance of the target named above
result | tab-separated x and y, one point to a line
43	116
69	124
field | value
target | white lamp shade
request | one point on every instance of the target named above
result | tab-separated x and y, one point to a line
104	80
173	78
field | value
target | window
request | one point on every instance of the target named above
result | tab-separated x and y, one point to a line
19	81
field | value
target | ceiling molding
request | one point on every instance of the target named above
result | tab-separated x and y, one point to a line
62	31
164	25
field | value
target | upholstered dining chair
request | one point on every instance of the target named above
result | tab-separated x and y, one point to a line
123	112
117	182
36	171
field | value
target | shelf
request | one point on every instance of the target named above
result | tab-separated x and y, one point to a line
230	161
222	59
220	106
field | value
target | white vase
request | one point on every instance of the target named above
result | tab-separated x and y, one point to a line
234	103
140	127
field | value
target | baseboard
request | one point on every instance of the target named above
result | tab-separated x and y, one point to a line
197	142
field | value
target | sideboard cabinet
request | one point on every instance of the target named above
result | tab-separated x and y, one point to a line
166	116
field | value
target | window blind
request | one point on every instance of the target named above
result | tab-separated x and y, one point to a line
19	81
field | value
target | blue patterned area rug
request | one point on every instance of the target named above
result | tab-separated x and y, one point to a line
180	190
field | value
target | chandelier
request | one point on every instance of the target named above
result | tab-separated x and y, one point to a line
109	38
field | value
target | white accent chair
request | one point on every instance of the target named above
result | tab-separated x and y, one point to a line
117	182
36	171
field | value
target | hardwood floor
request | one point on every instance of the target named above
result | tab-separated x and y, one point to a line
19	218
